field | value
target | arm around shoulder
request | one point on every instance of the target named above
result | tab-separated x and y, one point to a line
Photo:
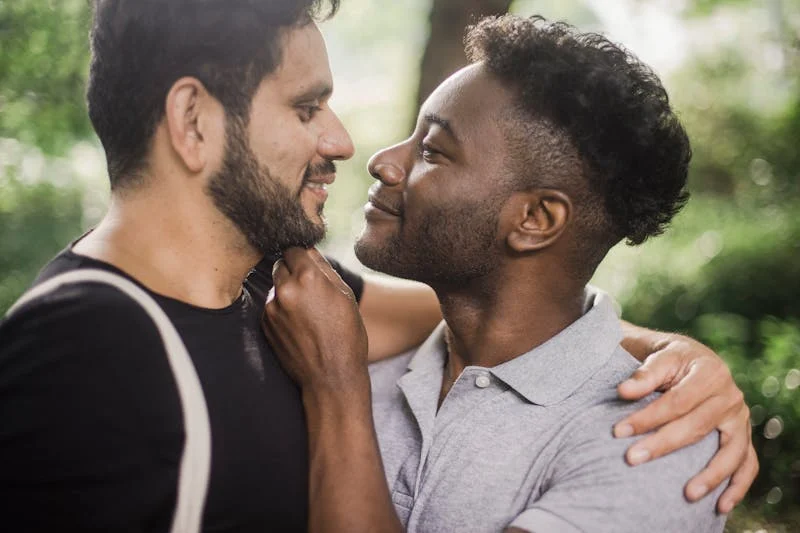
592	488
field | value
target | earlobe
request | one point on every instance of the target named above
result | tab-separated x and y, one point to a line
539	219
185	122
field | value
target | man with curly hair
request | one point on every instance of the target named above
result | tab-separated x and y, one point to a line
524	169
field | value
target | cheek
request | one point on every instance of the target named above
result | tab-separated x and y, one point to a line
285	147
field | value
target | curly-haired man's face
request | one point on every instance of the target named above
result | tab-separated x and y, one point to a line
433	214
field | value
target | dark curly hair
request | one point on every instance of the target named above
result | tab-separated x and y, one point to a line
140	48
605	105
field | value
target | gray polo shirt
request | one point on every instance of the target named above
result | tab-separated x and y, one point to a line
529	443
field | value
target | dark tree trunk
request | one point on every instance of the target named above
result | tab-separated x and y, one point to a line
444	53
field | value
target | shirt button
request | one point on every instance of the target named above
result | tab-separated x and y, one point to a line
482	381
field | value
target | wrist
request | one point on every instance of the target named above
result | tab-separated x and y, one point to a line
341	394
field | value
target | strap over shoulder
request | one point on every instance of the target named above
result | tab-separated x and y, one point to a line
195	466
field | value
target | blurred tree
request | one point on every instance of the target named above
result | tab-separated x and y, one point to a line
43	68
36	221
741	102
444	52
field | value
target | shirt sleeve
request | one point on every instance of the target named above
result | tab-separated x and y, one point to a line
593	489
91	432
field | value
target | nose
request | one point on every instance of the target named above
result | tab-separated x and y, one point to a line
335	143
386	166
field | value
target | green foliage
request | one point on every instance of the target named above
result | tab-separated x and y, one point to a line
769	375
728	273
743	300
706	7
43	69
36	221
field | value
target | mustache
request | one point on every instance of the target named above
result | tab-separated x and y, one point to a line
326	167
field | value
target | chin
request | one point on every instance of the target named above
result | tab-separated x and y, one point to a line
382	256
371	254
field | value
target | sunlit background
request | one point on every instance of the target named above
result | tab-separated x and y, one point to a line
727	273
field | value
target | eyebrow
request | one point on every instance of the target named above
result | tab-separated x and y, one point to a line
433	118
319	91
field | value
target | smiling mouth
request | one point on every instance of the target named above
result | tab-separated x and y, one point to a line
375	202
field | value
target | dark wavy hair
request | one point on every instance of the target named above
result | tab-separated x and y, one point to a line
140	48
609	107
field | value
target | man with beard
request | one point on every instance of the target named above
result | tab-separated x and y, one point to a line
525	168
220	144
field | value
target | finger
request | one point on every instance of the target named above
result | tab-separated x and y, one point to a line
279	265
297	258
677	434
740	483
674	403
658	370
330	273
266	322
727	460
318	258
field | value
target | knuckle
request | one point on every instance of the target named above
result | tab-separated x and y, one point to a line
745	416
712	476
286	293
677	400
306	276
696	434
665	441
640	374
737	398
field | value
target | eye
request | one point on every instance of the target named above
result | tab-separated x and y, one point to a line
428	153
306	112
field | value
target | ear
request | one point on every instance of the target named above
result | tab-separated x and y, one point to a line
191	117
537	219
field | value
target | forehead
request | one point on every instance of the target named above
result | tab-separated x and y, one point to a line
472	101
304	61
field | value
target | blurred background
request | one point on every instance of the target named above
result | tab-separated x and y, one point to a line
727	273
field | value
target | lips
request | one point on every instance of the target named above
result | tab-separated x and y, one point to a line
324	179
385	205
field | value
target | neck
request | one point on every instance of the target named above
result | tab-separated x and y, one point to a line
175	244
491	323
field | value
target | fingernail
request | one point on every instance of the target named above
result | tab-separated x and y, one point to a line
623	430
639	456
270	295
697	491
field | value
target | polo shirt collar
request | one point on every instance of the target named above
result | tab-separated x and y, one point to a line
554	370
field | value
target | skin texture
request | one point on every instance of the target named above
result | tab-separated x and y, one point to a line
291	129
397	317
423	181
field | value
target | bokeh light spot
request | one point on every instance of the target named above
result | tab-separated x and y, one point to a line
773	428
770	387
792	379
775	495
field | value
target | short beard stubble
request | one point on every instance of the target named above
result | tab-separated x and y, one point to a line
266	211
451	246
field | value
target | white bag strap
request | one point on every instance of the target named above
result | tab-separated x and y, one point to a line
196	459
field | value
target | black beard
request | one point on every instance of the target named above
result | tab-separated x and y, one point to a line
451	248
267	213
